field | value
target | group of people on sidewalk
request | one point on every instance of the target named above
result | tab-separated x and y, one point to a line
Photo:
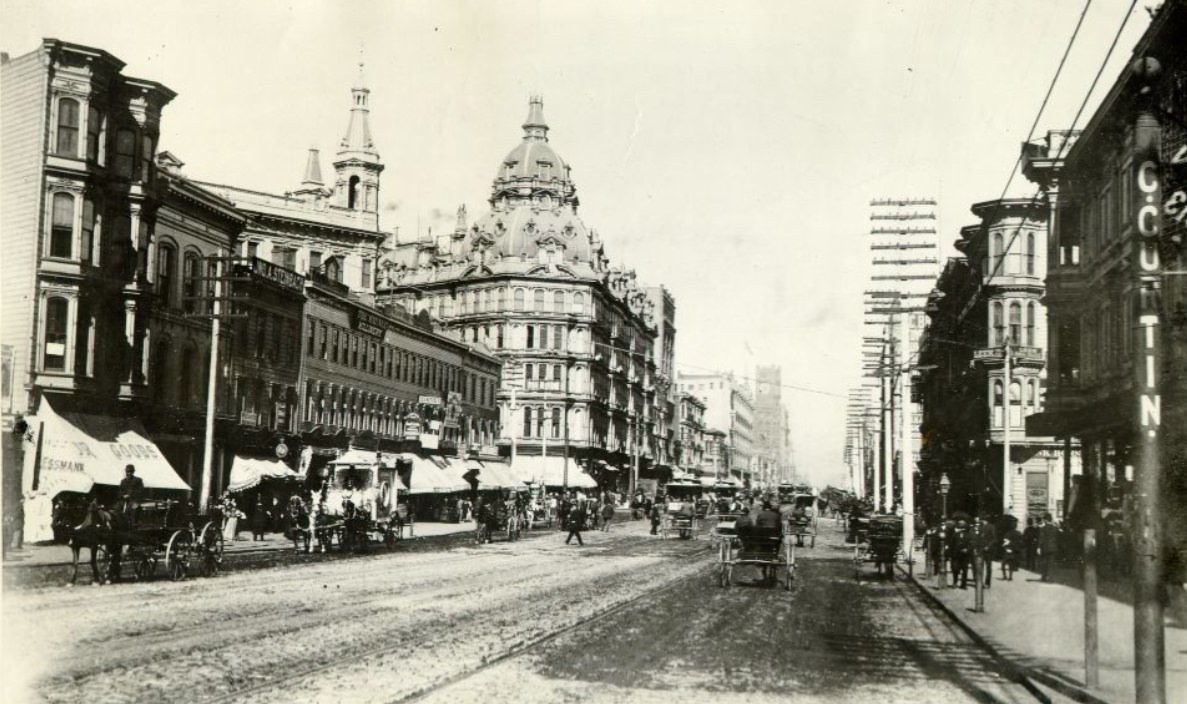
965	547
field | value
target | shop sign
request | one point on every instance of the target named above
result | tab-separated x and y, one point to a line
367	322
453	409
412	427
429	441
430	401
285	278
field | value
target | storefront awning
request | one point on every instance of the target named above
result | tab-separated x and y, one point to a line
496	475
432	476
78	450
550	471
248	472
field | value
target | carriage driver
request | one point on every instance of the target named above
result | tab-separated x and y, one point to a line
131	491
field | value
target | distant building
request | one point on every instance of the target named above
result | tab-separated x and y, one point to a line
771	432
577	336
729	408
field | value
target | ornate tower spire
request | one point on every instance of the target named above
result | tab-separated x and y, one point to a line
357	166
535	129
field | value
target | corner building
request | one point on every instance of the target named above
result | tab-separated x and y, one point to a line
577	336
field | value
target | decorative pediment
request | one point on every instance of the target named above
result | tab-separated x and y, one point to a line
550	240
482	241
477	270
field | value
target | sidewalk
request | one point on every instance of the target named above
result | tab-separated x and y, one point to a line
1039	627
59	555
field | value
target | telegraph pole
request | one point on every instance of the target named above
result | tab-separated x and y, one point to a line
1149	637
1007	402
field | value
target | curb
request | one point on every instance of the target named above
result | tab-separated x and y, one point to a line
1024	673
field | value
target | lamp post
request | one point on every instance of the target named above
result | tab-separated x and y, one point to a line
945	485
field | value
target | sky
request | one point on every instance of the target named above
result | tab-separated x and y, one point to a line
726	150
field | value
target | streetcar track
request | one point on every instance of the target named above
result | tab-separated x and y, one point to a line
355	656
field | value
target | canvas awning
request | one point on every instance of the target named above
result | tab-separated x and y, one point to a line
495	475
431	476
550	472
248	472
78	450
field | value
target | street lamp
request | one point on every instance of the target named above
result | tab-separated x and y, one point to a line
945	485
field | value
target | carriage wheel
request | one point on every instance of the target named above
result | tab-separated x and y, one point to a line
143	565
210	549
103	562
177	553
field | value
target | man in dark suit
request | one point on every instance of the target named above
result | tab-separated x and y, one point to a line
131	491
576	522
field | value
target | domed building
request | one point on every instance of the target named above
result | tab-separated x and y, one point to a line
577	336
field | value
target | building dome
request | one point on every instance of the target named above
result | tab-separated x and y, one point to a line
533	202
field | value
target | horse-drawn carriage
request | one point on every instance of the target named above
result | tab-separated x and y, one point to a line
498	516
770	549
878	539
679	518
145	536
359	506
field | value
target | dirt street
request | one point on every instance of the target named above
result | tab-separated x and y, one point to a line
628	617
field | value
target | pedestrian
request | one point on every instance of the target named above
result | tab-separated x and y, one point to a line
576	523
607	515
961	551
1048	548
1030	543
1010	551
259	519
656	514
985	545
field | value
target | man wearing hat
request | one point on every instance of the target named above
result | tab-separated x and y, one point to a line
131	491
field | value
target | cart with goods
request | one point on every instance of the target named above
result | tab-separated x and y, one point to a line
361	502
880	544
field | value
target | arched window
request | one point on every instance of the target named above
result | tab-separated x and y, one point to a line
539	299
558	337
67	127
1030	324
540	419
997	253
499	336
527	422
558	301
57	322
61	238
998	322
166	274
499	302
1030	395
531	341
352	193
556	372
579	303
527	371
333	269
519	295
1034	394
1015	323
1015	401
472	302
1030	253
556	422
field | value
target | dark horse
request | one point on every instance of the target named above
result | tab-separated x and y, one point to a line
99	530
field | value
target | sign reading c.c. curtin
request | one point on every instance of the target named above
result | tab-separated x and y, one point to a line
1149	272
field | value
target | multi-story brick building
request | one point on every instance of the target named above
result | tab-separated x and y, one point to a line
729	408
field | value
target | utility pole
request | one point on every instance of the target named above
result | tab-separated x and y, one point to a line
1007	404
908	461
1148	635
219	263
889	411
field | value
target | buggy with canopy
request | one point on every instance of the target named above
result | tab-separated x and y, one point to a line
362	501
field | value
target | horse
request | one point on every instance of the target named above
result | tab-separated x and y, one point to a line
99	530
300	523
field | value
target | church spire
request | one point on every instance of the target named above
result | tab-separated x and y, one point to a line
535	129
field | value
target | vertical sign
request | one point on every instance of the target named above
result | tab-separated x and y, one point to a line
1148	634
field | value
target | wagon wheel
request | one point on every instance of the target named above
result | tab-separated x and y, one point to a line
143	564
177	554
103	563
209	549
